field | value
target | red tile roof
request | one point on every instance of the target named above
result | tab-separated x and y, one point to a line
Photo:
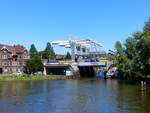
19	48
13	49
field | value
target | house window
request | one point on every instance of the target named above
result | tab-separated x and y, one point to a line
9	63
25	57
78	48
14	63
19	70
4	63
83	50
18	63
4	56
5	70
14	70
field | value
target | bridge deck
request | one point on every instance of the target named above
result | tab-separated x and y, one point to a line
94	64
56	65
79	64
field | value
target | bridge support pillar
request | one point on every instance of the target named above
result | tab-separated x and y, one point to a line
86	71
44	72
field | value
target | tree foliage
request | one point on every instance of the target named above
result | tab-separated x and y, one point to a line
33	50
48	53
68	56
34	64
133	57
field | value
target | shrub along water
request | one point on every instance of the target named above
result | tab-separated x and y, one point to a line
31	77
133	57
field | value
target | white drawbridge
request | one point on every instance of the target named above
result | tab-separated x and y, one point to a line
80	47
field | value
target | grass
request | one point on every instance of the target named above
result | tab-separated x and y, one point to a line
30	77
147	76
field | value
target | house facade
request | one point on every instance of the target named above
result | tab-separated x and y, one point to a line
13	58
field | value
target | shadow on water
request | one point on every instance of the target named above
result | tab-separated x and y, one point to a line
73	96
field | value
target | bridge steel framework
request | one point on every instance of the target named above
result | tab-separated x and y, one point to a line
84	47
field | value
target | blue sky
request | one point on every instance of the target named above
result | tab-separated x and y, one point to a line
39	21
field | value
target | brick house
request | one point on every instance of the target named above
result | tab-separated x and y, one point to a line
12	58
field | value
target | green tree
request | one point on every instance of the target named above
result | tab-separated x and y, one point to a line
133	57
146	29
34	64
33	50
68	56
48	53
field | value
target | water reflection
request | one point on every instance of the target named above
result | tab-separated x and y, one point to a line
73	96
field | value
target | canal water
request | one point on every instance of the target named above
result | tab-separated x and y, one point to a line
73	96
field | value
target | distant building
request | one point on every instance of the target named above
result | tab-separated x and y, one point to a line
60	57
12	58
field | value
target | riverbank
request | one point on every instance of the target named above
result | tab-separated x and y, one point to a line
30	77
